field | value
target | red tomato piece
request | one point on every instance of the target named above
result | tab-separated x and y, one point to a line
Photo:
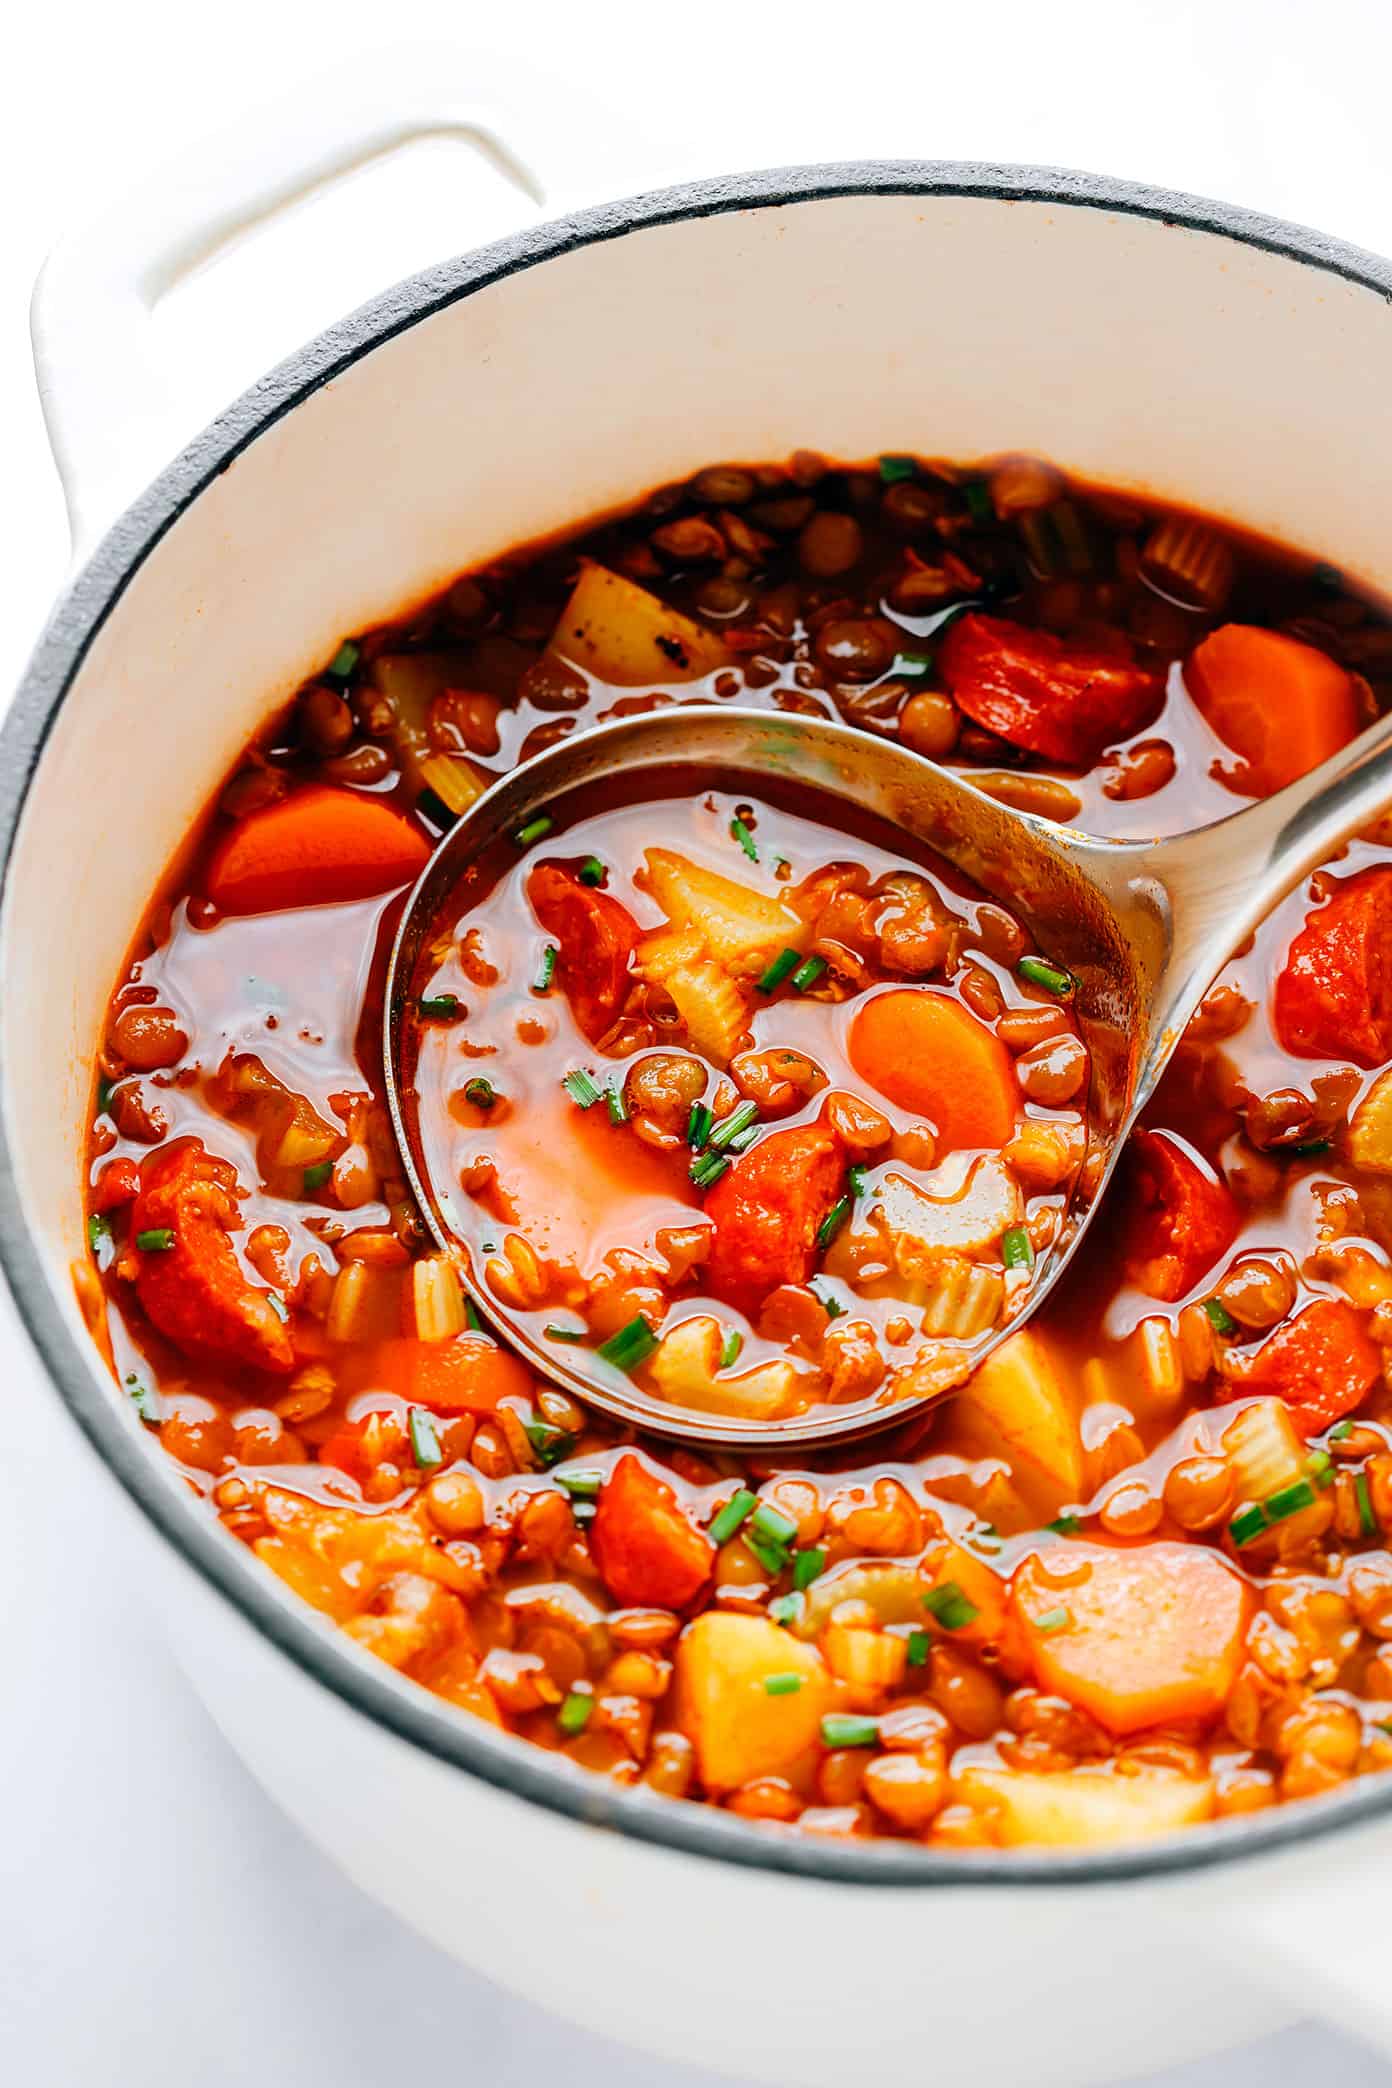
318	847
1182	1220
194	1289
1322	1363
647	1549
596	937
1052	696
1334	995
357	1447
117	1184
766	1212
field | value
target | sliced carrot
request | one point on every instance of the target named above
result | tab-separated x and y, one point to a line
766	1212
929	1054
469	1375
314	848
646	1547
1334	993
596	937
189	1280
1137	1637
1281	705
1180	1217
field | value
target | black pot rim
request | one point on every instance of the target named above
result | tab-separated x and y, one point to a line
325	1654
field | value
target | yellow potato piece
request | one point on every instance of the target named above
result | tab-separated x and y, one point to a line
738	1730
967	1221
713	1010
739	926
1017	1406
1370	1131
1084	1808
619	632
686	1372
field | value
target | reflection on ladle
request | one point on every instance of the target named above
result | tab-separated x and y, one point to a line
1141	928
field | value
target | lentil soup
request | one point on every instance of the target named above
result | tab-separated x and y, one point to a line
1134	1574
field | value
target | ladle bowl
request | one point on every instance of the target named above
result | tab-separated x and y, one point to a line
1143	926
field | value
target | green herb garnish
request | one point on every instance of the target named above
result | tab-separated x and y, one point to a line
582	1088
344	660
730	1127
740	832
1051	977
785	962
893	469
845	1729
145	1402
1017	1248
550	1443
1247	1524
425	1443
782	1685
834	1220
314	1178
581	1486
535	830
698	1126
157	1239
918	1648
615	1104
732	1516
591	871
631	1346
438	1007
950	1606
730	1347
1367	1521
808	973
1065	1525
574	1714
786	1609
1219	1317
1051	1620
555	1332
707	1168
977	495
546	970
807	1565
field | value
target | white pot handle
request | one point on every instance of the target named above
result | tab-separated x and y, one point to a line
111	410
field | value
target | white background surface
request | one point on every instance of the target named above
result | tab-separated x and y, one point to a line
159	1923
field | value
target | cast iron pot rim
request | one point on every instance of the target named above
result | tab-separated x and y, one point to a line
366	1685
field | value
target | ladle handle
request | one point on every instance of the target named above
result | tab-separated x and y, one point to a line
1223	879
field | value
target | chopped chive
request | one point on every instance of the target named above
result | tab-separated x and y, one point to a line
808	973
1248	1523
591	871
105	1090
1289	1500
730	1347
278	1306
912	661
773	1557
698	1126
731	1126
1368	1522
546	970
574	1714
480	1092
950	1606
786	961
315	1177
535	830
846	1729
471	1318
1051	1620
145	1402
834	1220
490	1246
773	1524
740	832
156	1239
631	1346
782	1685
744	1140
829	1302
732	1516
855	1180
616	1106
1052	977
425	1443
344	660
1219	1317
977	495
918	1648
1319	1468
581	1486
1064	1525
707	1168
99	1235
438	1007
550	1443
432	806
1017	1248
555	1332
1341	1432
807	1565
581	1088
786	1609
893	469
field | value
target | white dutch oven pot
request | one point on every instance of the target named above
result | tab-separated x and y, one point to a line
1144	339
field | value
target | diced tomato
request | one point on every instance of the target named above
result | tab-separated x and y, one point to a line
596	938
1322	1363
314	848
1182	1217
766	1212
193	1288
1049	695
646	1547
117	1184
1334	995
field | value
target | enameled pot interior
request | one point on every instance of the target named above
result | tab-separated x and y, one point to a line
525	389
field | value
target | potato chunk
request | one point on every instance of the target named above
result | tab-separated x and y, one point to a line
738	1729
621	633
741	928
686	1372
1017	1406
967	1222
1084	1808
1370	1132
1140	1637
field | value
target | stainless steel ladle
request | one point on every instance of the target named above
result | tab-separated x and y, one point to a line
1144	927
